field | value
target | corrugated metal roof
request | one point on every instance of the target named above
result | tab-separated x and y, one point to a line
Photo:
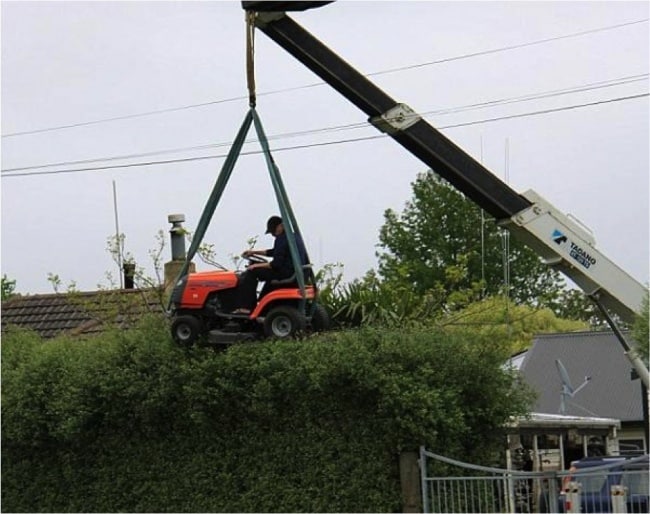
78	313
538	419
609	394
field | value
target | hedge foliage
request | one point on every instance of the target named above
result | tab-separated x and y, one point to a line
129	422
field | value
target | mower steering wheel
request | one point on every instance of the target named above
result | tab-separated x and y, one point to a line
255	259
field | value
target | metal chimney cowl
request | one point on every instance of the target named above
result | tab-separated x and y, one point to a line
177	233
174	266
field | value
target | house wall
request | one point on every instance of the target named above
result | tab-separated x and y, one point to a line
630	437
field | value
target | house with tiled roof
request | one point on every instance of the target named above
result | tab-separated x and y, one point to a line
91	312
79	313
601	378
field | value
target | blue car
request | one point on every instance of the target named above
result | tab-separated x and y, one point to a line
598	474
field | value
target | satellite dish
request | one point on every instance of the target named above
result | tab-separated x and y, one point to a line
567	389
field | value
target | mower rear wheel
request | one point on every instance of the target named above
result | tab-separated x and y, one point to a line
186	330
320	319
283	322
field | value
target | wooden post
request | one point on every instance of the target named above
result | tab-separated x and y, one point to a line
409	474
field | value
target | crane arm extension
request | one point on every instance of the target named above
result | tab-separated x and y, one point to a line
565	245
397	120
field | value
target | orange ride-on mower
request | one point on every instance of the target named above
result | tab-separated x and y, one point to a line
202	304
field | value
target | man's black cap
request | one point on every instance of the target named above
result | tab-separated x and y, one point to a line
272	224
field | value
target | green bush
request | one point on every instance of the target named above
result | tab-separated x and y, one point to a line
129	422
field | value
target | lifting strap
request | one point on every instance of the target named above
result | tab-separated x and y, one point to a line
250	56
286	212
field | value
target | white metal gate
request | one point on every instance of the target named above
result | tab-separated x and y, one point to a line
452	486
449	485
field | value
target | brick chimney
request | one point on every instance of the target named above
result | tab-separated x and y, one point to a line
128	270
173	267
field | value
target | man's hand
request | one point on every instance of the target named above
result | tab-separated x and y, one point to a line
247	253
258	265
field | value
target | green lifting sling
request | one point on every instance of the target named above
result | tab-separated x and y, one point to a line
286	212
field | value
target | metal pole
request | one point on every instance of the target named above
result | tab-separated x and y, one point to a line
572	497
630	353
619	498
117	237
426	507
536	460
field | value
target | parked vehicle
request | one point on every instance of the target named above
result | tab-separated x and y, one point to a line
598	474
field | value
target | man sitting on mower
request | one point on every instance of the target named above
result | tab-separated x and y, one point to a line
280	268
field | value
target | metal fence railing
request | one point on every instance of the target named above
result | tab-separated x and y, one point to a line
453	486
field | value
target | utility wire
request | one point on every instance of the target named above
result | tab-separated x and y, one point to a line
317	84
328	143
350	126
512	47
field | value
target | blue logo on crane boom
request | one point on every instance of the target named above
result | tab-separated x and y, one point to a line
575	251
558	237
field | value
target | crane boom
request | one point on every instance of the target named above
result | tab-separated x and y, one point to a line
398	120
560	241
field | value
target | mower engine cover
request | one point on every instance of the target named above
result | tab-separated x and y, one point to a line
191	291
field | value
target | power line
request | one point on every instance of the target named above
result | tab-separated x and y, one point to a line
328	143
513	47
350	126
119	118
547	94
549	111
318	84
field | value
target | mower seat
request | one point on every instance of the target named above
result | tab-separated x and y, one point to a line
291	279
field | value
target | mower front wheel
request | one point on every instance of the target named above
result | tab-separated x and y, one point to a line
186	330
283	322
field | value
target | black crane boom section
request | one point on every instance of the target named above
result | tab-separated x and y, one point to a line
420	138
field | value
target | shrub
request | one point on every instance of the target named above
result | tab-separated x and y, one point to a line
129	422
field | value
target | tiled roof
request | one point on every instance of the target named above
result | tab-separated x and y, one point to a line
78	313
610	393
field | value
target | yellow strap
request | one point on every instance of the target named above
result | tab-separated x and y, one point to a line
250	56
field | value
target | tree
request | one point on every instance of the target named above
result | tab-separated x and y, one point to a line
575	304
641	329
437	241
370	301
8	287
514	325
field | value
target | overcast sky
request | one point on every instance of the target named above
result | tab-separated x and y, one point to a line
173	74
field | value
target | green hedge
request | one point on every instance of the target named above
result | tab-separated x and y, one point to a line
129	422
